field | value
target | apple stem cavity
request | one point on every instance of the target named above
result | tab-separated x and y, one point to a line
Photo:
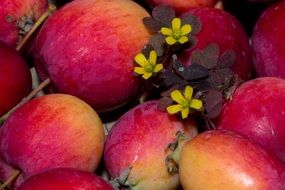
43	17
11	178
173	151
27	98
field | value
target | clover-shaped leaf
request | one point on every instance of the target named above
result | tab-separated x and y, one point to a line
213	103
163	13
194	21
192	72
158	43
227	59
207	57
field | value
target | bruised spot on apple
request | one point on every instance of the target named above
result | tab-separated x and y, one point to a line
222	28
222	159
17	16
52	131
87	49
138	142
65	179
257	110
15	78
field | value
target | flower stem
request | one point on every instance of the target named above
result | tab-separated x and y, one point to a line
27	98
11	178
43	17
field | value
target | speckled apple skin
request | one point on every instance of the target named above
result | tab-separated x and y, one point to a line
65	179
139	140
87	48
52	131
181	6
15	78
268	42
11	12
222	28
222	159
257	110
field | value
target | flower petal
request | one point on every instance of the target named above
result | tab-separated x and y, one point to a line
146	75
183	39
139	70
141	60
185	113
188	92
174	109
170	40
185	29
177	96
176	24
158	68
196	104
166	31
152	57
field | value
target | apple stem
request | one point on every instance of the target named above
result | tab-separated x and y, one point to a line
27	98
11	178
43	17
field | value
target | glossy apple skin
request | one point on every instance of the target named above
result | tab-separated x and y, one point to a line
65	179
222	159
11	12
220	27
268	42
257	110
52	131
139	140
15	78
97	64
181	6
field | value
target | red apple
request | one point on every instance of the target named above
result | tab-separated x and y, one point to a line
87	49
181	6
221	159
220	27
15	78
268	42
65	179
51	131
257	110
16	18
137	145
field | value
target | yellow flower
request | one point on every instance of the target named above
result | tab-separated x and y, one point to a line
148	67
185	102
176	33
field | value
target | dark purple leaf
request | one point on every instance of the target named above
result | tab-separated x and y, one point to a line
170	79
227	59
213	103
194	21
146	50
207	57
164	14
152	24
157	41
164	102
193	72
